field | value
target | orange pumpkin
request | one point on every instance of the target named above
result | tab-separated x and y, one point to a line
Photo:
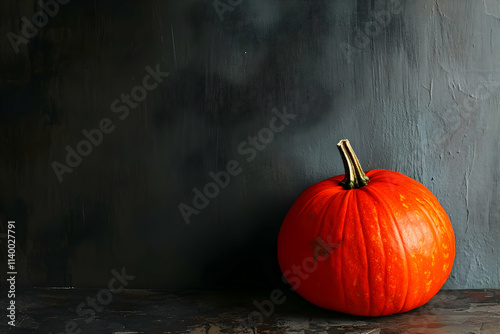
366	244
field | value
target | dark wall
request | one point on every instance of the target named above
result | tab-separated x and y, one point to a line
414	85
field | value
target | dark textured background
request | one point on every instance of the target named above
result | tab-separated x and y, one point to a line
419	95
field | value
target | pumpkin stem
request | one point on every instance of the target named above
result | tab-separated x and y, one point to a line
354	175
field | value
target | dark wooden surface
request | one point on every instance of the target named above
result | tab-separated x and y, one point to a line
212	312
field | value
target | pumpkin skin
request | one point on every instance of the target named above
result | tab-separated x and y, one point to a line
390	245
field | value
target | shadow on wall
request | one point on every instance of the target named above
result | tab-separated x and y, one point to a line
226	78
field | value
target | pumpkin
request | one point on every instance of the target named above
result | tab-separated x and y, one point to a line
366	244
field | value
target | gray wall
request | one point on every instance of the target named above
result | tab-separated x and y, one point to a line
414	86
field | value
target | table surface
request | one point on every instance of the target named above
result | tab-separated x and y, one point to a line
197	312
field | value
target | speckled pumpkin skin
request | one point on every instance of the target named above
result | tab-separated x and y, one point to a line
391	245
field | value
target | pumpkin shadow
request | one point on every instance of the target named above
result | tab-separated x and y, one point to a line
252	263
